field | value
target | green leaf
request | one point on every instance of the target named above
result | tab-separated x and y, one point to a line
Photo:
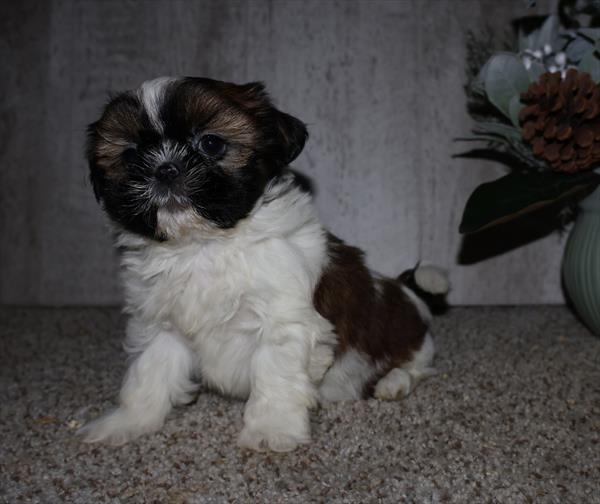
518	193
547	33
593	34
505	77
526	41
578	48
591	64
535	70
514	107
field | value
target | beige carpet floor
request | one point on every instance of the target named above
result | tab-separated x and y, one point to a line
513	416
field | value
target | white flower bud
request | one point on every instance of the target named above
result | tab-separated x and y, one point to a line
527	62
547	49
537	54
561	59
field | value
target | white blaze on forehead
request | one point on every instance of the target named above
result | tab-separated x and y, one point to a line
151	95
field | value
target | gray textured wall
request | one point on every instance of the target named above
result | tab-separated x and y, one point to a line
380	84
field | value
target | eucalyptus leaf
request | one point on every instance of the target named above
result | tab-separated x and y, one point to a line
578	48
591	64
593	34
505	77
514	107
526	40
518	193
547	34
535	70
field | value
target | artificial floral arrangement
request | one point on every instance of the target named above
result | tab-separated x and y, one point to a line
538	107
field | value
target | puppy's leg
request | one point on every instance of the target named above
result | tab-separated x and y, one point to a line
276	414
158	377
346	379
400	381
321	359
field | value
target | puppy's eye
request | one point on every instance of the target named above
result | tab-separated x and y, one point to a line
129	155
212	145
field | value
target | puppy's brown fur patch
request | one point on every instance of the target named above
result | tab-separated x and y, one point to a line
371	315
118	127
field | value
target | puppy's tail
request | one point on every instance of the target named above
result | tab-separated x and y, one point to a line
430	283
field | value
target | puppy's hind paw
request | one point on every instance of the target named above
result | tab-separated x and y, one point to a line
115	428
396	384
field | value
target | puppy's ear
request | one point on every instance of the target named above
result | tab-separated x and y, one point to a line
291	137
252	95
289	134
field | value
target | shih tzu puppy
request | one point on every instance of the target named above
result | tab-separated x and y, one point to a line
230	277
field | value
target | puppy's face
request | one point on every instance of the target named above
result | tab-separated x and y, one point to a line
188	146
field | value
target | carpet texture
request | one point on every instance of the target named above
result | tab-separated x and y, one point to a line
513	416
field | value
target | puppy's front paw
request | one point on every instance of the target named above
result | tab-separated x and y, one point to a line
277	432
258	440
115	428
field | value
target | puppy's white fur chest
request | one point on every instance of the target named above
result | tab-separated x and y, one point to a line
225	296
206	296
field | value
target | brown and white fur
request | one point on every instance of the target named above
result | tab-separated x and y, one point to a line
229	275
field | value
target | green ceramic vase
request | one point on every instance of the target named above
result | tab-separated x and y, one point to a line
581	262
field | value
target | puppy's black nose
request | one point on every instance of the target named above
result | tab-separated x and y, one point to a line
167	172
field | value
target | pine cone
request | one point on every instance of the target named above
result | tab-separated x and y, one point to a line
561	120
